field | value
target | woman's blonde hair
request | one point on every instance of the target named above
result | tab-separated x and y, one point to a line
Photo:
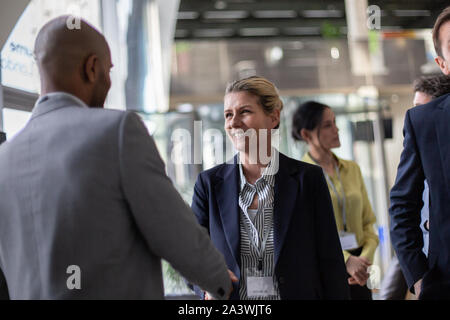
265	90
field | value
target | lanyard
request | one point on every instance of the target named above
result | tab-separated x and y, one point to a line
266	234
249	226
341	201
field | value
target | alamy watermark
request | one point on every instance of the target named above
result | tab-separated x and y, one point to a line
374	17
74	280
220	148
375	277
73	22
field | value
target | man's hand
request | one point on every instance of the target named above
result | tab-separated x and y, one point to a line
418	288
233	278
357	269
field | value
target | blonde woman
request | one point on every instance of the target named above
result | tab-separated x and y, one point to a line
272	220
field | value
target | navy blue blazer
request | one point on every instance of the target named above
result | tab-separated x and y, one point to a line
309	263
426	155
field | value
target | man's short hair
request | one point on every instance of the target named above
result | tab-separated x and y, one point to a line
441	19
434	86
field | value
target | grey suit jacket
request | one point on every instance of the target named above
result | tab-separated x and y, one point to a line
86	187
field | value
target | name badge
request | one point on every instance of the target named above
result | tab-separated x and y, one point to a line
260	287
348	240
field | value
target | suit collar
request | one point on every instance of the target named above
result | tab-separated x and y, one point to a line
442	129
54	101
444	102
307	158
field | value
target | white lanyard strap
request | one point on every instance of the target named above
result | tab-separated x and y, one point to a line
266	230
262	248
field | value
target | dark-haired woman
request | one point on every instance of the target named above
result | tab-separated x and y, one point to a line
315	123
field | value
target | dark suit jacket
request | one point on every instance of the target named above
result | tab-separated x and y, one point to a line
308	258
426	155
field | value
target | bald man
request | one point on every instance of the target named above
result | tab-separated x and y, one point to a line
87	211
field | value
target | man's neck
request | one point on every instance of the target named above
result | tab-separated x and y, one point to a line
48	89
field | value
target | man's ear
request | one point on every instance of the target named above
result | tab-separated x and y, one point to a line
443	65
91	68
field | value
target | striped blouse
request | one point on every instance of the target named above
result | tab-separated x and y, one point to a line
254	230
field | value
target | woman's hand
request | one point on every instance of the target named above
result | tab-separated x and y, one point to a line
357	268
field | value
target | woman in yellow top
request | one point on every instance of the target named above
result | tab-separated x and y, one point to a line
315	123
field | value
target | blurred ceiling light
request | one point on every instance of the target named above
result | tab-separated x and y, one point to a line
412	13
188	15
322	13
273	55
272	14
302	31
276	53
335	53
185	108
213	33
236	14
258	32
220	5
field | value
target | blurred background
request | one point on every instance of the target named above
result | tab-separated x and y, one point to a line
174	58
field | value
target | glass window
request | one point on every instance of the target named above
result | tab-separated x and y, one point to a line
14	121
17	64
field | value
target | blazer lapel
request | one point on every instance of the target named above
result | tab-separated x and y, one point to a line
286	190
441	118
227	195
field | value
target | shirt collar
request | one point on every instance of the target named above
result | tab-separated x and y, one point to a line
268	175
341	163
61	94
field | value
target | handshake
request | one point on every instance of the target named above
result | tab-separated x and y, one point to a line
233	278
